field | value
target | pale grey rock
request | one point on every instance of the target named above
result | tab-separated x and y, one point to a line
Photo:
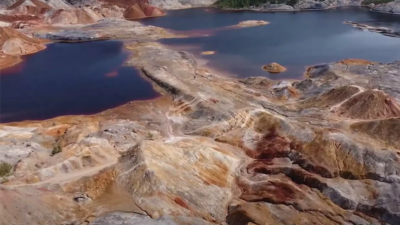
274	7
184	170
7	3
391	7
181	4
120	218
16	144
306	5
354	194
102	30
13	153
311	4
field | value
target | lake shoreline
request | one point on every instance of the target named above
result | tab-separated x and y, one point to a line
211	149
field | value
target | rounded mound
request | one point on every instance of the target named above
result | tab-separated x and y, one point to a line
354	62
78	16
8	61
387	130
274	68
7	33
330	98
252	23
208	53
13	42
142	10
371	104
17	46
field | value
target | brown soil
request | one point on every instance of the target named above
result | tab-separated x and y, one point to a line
40	4
16	5
8	61
142	10
36	8
371	104
330	98
387	130
78	16
17	46
15	43
7	33
124	3
356	62
13	18
274	68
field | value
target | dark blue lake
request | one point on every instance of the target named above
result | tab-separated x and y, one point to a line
68	79
292	39
86	78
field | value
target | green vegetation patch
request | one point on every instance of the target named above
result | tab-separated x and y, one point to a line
56	149
5	169
247	3
367	2
150	136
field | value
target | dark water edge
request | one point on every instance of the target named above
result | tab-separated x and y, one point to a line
293	39
70	79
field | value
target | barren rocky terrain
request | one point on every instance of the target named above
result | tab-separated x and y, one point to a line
210	150
384	6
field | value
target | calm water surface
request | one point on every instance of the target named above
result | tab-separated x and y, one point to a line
67	79
87	78
293	39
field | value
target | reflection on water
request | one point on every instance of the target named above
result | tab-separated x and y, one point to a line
65	79
292	39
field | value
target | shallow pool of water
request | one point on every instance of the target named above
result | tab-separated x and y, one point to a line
69	79
292	39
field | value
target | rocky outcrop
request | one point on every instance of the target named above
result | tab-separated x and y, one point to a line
142	10
7	3
390	7
181	4
48	4
381	30
218	150
386	130
130	218
7	33
311	4
303	5
208	53
8	61
53	11
365	74
211	149
251	23
369	104
332	97
16	46
59	12
273	7
10	18
274	68
204	167
103	29
13	44
16	43
15	203
29	9
76	16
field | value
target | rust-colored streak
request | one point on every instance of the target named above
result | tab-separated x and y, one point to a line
270	146
181	202
8	65
112	74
